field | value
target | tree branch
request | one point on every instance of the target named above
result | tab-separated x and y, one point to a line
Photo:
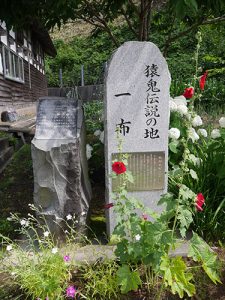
200	23
128	22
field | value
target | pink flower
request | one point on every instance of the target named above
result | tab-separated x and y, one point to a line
200	200
119	167
109	205
144	217
202	80
189	92
66	258
71	291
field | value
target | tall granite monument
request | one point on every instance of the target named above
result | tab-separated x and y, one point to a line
137	104
61	184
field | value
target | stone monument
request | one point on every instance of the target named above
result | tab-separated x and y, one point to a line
137	104
61	184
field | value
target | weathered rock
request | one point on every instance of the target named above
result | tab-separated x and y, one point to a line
61	184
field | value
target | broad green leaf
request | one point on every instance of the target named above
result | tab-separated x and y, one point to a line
127	279
176	276
186	193
200	251
185	218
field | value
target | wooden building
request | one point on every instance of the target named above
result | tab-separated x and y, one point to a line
22	68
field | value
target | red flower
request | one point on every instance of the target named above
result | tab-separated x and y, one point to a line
119	167
109	205
200	200
202	80
189	92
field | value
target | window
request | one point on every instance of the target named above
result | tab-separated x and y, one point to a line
12	65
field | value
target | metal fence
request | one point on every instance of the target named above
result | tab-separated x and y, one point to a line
85	93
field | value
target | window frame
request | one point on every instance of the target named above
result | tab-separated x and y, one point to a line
15	61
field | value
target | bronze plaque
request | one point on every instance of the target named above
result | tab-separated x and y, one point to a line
147	168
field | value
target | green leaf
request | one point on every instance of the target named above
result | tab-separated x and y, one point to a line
193	174
127	279
192	4
173	146
200	251
185	218
186	193
176	276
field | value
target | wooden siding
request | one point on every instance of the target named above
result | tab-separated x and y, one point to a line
20	94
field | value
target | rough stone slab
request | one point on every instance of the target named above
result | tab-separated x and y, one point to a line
61	183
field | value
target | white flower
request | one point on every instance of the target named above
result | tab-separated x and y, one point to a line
192	134
9	219
180	100
174	133
215	134
195	160
89	149
101	137
69	217
54	250
13	273
76	221
46	233
137	237
9	248
222	122
182	109
172	105
202	132
97	132
197	121
24	223
83	213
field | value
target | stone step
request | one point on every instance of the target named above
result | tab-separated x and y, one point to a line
5	155
4	143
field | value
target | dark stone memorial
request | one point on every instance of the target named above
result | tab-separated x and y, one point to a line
61	183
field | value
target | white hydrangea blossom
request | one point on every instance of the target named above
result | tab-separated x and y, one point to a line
174	133
197	121
202	132
180	100
215	134
182	110
192	134
89	150
222	122
101	137
172	105
97	132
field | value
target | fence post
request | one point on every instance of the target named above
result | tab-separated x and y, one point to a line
82	75
60	78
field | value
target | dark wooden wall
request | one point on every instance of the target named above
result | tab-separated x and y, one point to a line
20	94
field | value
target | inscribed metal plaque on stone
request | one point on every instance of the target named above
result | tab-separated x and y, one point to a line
56	119
147	168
